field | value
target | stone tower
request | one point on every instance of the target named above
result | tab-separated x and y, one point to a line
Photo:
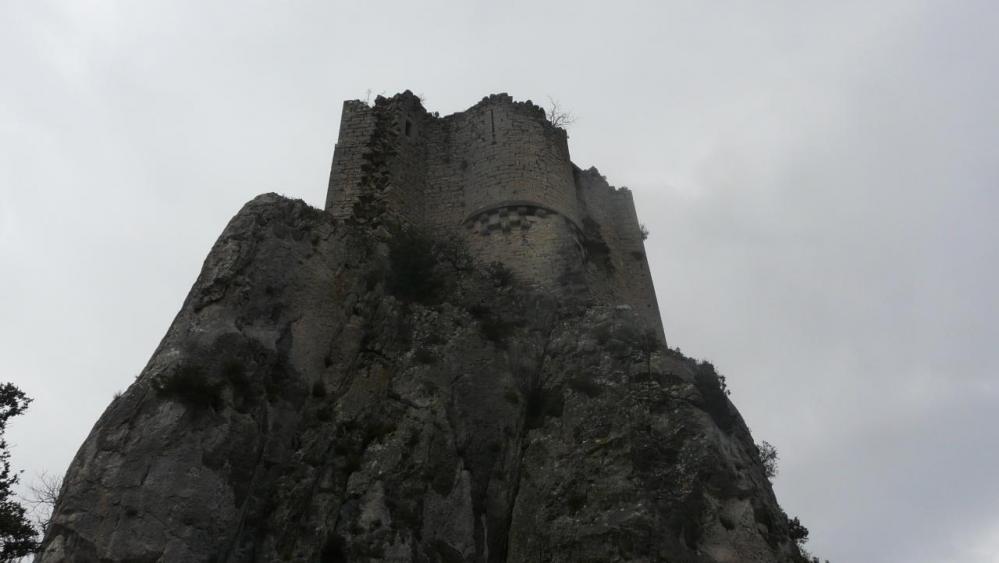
498	174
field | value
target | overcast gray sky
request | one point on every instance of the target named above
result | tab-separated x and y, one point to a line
820	179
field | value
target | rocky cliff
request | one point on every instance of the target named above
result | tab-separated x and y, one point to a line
332	393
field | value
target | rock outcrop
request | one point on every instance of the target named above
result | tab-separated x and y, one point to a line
330	393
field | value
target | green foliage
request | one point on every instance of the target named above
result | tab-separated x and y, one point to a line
723	385
797	531
768	458
453	252
17	536
423	268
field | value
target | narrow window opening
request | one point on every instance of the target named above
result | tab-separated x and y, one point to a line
409	127
492	124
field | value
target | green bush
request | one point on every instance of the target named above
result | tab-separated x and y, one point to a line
453	252
17	535
797	531
768	458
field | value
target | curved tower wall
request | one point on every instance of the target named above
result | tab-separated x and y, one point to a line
613	210
508	153
539	246
498	174
520	205
444	171
357	124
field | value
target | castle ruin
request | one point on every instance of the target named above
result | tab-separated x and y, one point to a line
299	408
500	176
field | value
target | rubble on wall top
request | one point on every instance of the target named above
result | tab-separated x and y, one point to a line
503	98
593	173
406	97
413	102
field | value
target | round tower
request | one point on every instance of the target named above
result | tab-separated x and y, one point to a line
510	154
520	204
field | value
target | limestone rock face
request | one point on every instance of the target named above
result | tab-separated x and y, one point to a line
304	406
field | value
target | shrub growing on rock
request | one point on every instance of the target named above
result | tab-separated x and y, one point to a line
768	457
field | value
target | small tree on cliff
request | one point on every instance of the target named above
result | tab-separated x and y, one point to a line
42	499
768	457
17	537
558	116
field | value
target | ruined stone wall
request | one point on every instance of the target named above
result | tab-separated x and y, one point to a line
508	153
500	175
410	128
623	276
444	198
357	123
388	141
634	278
445	170
540	247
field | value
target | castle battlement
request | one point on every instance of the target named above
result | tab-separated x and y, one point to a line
498	174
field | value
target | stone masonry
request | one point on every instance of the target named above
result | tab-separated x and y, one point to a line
498	175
